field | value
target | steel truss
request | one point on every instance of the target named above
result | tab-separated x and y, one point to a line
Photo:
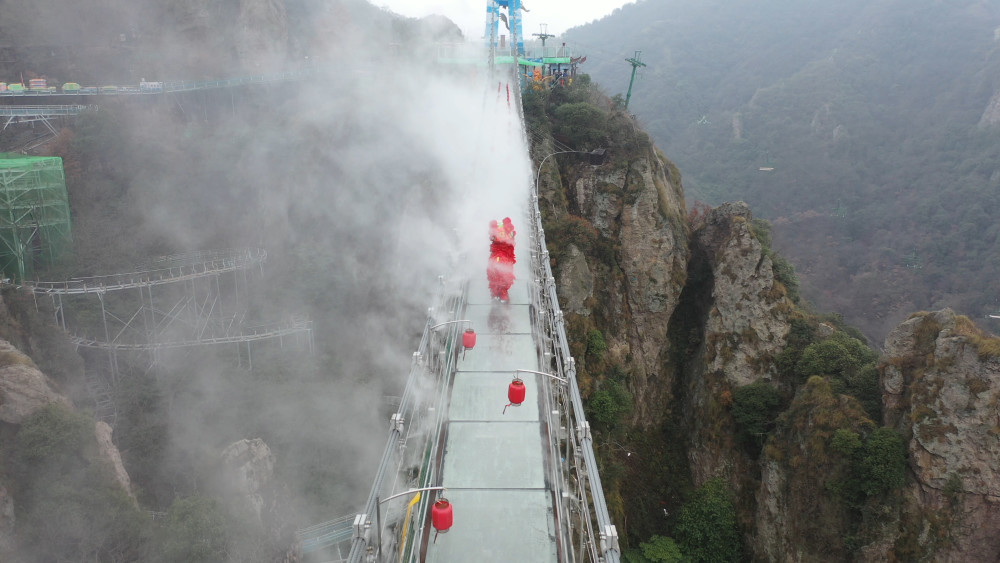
172	302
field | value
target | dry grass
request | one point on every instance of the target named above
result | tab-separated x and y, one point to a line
13	358
987	346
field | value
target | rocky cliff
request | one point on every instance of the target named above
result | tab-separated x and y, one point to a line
23	389
941	385
742	314
60	443
829	454
619	247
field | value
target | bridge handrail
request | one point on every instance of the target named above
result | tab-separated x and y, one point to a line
325	533
424	362
247	334
187	85
39	110
580	433
233	260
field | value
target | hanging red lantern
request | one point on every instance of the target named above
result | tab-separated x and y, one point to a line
442	516
515	393
469	339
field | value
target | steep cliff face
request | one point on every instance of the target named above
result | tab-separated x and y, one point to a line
699	321
23	389
113	457
249	467
798	516
748	320
24	392
743	314
620	261
941	385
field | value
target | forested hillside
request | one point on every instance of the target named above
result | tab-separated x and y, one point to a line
861	129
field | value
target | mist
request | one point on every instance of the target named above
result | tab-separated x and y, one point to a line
364	183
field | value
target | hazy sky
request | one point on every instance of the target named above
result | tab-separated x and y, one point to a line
470	15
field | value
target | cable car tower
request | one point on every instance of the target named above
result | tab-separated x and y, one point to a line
512	21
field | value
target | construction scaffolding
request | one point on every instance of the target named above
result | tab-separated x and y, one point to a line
169	303
34	213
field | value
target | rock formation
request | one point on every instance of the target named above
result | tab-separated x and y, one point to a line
114	458
941	385
991	115
23	389
743	313
747	322
249	468
637	246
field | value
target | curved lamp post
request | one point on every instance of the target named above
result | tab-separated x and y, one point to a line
516	391
378	513
468	337
595	152
542	163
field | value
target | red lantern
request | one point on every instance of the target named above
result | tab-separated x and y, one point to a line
441	515
516	392
469	339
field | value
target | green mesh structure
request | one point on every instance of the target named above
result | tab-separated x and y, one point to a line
34	213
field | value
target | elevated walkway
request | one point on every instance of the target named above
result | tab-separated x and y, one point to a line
41	111
523	483
497	468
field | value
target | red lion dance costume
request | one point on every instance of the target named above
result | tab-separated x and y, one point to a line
500	271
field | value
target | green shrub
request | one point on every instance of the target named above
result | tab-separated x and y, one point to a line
581	125
195	532
54	437
850	365
863	385
69	504
784	272
658	549
871	467
596	346
706	525
838	356
800	335
846	442
608	405
755	408
883	467
761	230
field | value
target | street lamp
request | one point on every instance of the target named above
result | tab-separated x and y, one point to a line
542	163
440	516
516	391
556	377
439	325
468	337
596	153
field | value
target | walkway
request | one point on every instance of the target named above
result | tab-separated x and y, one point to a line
498	471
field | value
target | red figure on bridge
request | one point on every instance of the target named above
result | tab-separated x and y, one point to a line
500	271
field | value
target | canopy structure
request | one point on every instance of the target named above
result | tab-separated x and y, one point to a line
34	213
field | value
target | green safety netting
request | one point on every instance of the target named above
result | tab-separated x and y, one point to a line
34	214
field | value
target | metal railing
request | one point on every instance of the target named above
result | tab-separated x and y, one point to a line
40	111
169	270
582	472
418	420
187	85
